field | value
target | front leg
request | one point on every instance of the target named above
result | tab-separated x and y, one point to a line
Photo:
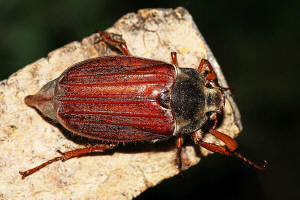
228	150
208	72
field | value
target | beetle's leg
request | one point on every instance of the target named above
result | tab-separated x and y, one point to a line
79	152
207	70
179	143
67	155
114	40
174	58
226	151
229	142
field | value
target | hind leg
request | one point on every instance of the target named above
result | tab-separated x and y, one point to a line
66	156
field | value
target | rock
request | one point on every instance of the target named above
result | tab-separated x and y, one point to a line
26	139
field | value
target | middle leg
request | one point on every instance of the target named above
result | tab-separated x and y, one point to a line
114	40
174	58
179	143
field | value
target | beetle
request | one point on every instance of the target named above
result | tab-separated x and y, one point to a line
124	98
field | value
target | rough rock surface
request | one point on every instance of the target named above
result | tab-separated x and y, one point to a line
27	140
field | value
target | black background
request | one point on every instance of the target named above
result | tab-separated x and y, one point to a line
255	42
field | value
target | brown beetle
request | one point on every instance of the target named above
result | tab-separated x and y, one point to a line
128	99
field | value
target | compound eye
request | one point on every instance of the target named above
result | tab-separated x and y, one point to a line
209	114
208	85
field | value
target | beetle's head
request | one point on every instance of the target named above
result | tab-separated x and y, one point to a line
214	99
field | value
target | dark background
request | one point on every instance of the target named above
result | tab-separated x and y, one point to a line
257	45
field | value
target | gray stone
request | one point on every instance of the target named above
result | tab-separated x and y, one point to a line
27	140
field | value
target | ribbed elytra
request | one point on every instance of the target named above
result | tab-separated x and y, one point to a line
105	99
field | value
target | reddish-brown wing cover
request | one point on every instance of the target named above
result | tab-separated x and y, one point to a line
116	99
